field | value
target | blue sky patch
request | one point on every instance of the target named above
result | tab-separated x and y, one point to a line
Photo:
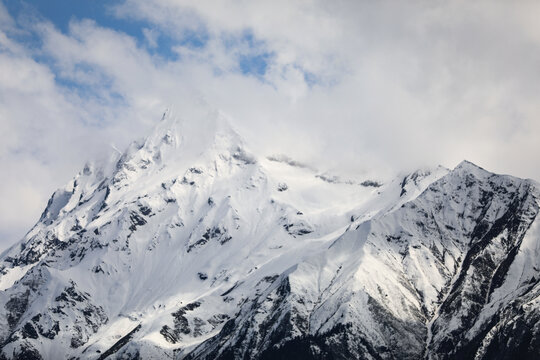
251	53
254	64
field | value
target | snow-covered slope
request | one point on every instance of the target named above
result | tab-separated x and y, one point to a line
190	246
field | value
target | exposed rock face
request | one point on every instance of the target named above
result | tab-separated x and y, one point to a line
188	246
451	274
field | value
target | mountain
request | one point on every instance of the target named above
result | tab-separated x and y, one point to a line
189	246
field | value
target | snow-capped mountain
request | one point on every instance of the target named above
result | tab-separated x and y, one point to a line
189	246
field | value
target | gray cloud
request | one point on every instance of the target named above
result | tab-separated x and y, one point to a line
398	85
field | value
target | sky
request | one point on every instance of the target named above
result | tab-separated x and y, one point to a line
352	86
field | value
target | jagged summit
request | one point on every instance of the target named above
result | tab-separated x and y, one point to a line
468	167
188	246
208	128
176	141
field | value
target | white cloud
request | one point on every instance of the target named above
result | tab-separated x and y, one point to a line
399	85
454	77
6	21
151	36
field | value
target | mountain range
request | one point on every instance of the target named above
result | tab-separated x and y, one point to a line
190	246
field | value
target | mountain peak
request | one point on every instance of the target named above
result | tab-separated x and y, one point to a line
197	128
469	167
186	246
201	134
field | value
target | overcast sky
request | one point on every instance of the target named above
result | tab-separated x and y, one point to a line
352	85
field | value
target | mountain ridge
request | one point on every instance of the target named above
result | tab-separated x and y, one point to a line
188	245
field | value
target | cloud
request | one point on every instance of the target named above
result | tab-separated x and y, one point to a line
352	85
406	83
151	36
6	21
48	129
